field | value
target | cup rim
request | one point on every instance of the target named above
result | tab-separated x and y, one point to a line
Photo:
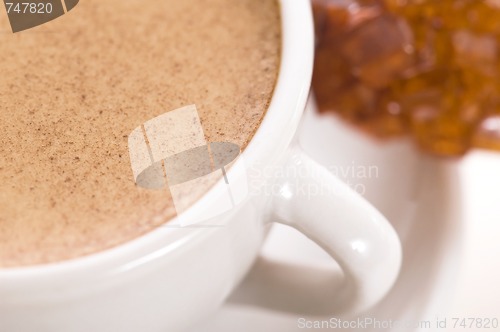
278	126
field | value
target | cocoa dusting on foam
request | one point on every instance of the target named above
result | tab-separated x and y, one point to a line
72	90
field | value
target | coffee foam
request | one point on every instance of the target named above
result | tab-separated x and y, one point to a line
73	89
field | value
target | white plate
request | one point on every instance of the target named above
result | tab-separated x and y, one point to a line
447	213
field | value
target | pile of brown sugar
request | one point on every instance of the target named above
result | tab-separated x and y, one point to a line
427	69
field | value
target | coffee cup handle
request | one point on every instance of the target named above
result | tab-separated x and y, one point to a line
346	226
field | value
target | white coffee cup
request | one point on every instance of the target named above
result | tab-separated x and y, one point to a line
169	278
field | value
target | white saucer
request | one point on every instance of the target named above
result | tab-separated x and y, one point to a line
447	213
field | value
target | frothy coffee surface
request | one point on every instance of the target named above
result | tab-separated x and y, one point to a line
73	89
